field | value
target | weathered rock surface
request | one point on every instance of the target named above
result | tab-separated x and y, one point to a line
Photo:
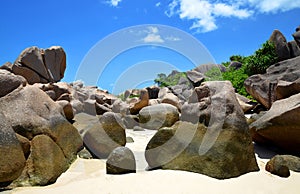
280	125
281	45
296	36
157	116
12	160
31	113
9	82
294	49
45	164
281	164
121	161
141	103
172	99
195	77
41	66
153	92
219	145
245	103
280	81
103	137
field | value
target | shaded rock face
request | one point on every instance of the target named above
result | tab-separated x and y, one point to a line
235	65
41	66
219	145
195	77
296	36
183	90
153	92
9	82
281	164
294	49
157	116
31	113
281	45
280	81
121	161
245	103
12	160
103	137
280	125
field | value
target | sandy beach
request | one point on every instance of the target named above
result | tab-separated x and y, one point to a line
89	176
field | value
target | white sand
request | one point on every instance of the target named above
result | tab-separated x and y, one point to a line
88	177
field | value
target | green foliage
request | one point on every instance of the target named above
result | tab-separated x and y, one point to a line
171	80
237	78
253	64
214	74
261	59
121	96
238	58
134	95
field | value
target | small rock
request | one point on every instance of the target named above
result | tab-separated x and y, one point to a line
121	161
85	154
281	164
129	140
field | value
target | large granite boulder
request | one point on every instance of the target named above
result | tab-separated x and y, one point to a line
280	81
280	125
45	164
195	77
294	49
121	161
281	164
157	116
31	112
296	36
140	103
103	137
9	82
172	99
220	147
41	66
281	45
12	160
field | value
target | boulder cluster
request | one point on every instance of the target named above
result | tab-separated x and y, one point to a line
37	142
278	91
201	126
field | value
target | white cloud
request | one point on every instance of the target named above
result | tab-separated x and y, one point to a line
114	3
158	4
205	13
153	35
272	6
153	38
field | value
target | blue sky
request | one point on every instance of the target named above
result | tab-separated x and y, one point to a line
223	27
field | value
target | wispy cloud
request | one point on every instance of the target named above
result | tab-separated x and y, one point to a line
205	13
158	4
173	38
